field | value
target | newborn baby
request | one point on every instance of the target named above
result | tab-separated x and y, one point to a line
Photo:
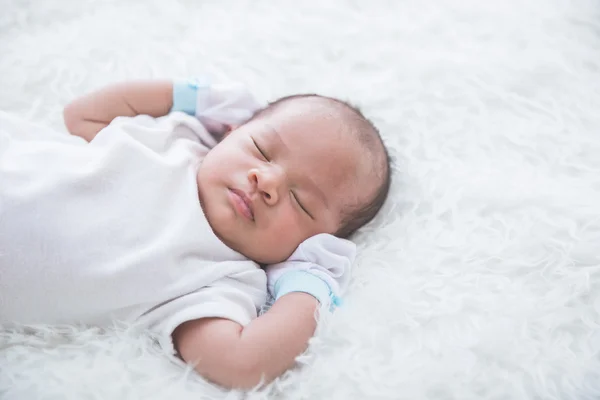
167	210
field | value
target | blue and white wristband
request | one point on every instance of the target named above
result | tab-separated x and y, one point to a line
185	95
305	282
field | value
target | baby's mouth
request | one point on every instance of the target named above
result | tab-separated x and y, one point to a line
241	203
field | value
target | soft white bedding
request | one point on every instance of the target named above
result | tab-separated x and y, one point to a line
481	277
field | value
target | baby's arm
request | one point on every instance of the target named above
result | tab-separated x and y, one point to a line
237	356
240	357
89	114
217	106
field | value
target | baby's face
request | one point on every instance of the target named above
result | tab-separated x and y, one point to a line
280	179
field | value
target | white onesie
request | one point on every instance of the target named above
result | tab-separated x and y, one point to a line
113	229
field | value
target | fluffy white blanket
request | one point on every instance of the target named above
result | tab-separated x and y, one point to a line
479	280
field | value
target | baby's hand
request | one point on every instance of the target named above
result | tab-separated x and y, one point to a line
219	106
320	266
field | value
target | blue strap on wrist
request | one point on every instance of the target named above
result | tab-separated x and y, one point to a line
305	282
185	95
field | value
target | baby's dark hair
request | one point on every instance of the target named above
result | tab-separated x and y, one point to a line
365	132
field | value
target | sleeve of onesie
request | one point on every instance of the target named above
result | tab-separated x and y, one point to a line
236	297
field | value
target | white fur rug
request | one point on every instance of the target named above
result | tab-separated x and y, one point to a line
481	278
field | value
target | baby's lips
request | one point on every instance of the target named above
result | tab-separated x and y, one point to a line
246	199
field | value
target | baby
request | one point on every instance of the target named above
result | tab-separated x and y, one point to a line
161	205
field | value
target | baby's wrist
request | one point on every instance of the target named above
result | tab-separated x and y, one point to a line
185	95
305	282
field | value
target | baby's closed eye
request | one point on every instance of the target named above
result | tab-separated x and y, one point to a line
261	151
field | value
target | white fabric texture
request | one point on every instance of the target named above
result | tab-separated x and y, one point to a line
480	279
113	229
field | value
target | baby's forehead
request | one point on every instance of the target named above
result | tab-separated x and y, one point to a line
311	107
320	147
310	119
310	130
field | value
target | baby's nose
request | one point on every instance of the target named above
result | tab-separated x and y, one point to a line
268	183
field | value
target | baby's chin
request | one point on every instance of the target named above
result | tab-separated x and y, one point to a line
259	253
254	248
243	241
267	258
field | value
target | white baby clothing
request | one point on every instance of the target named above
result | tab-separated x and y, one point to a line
113	229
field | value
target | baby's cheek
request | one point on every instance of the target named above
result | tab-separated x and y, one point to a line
286	235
